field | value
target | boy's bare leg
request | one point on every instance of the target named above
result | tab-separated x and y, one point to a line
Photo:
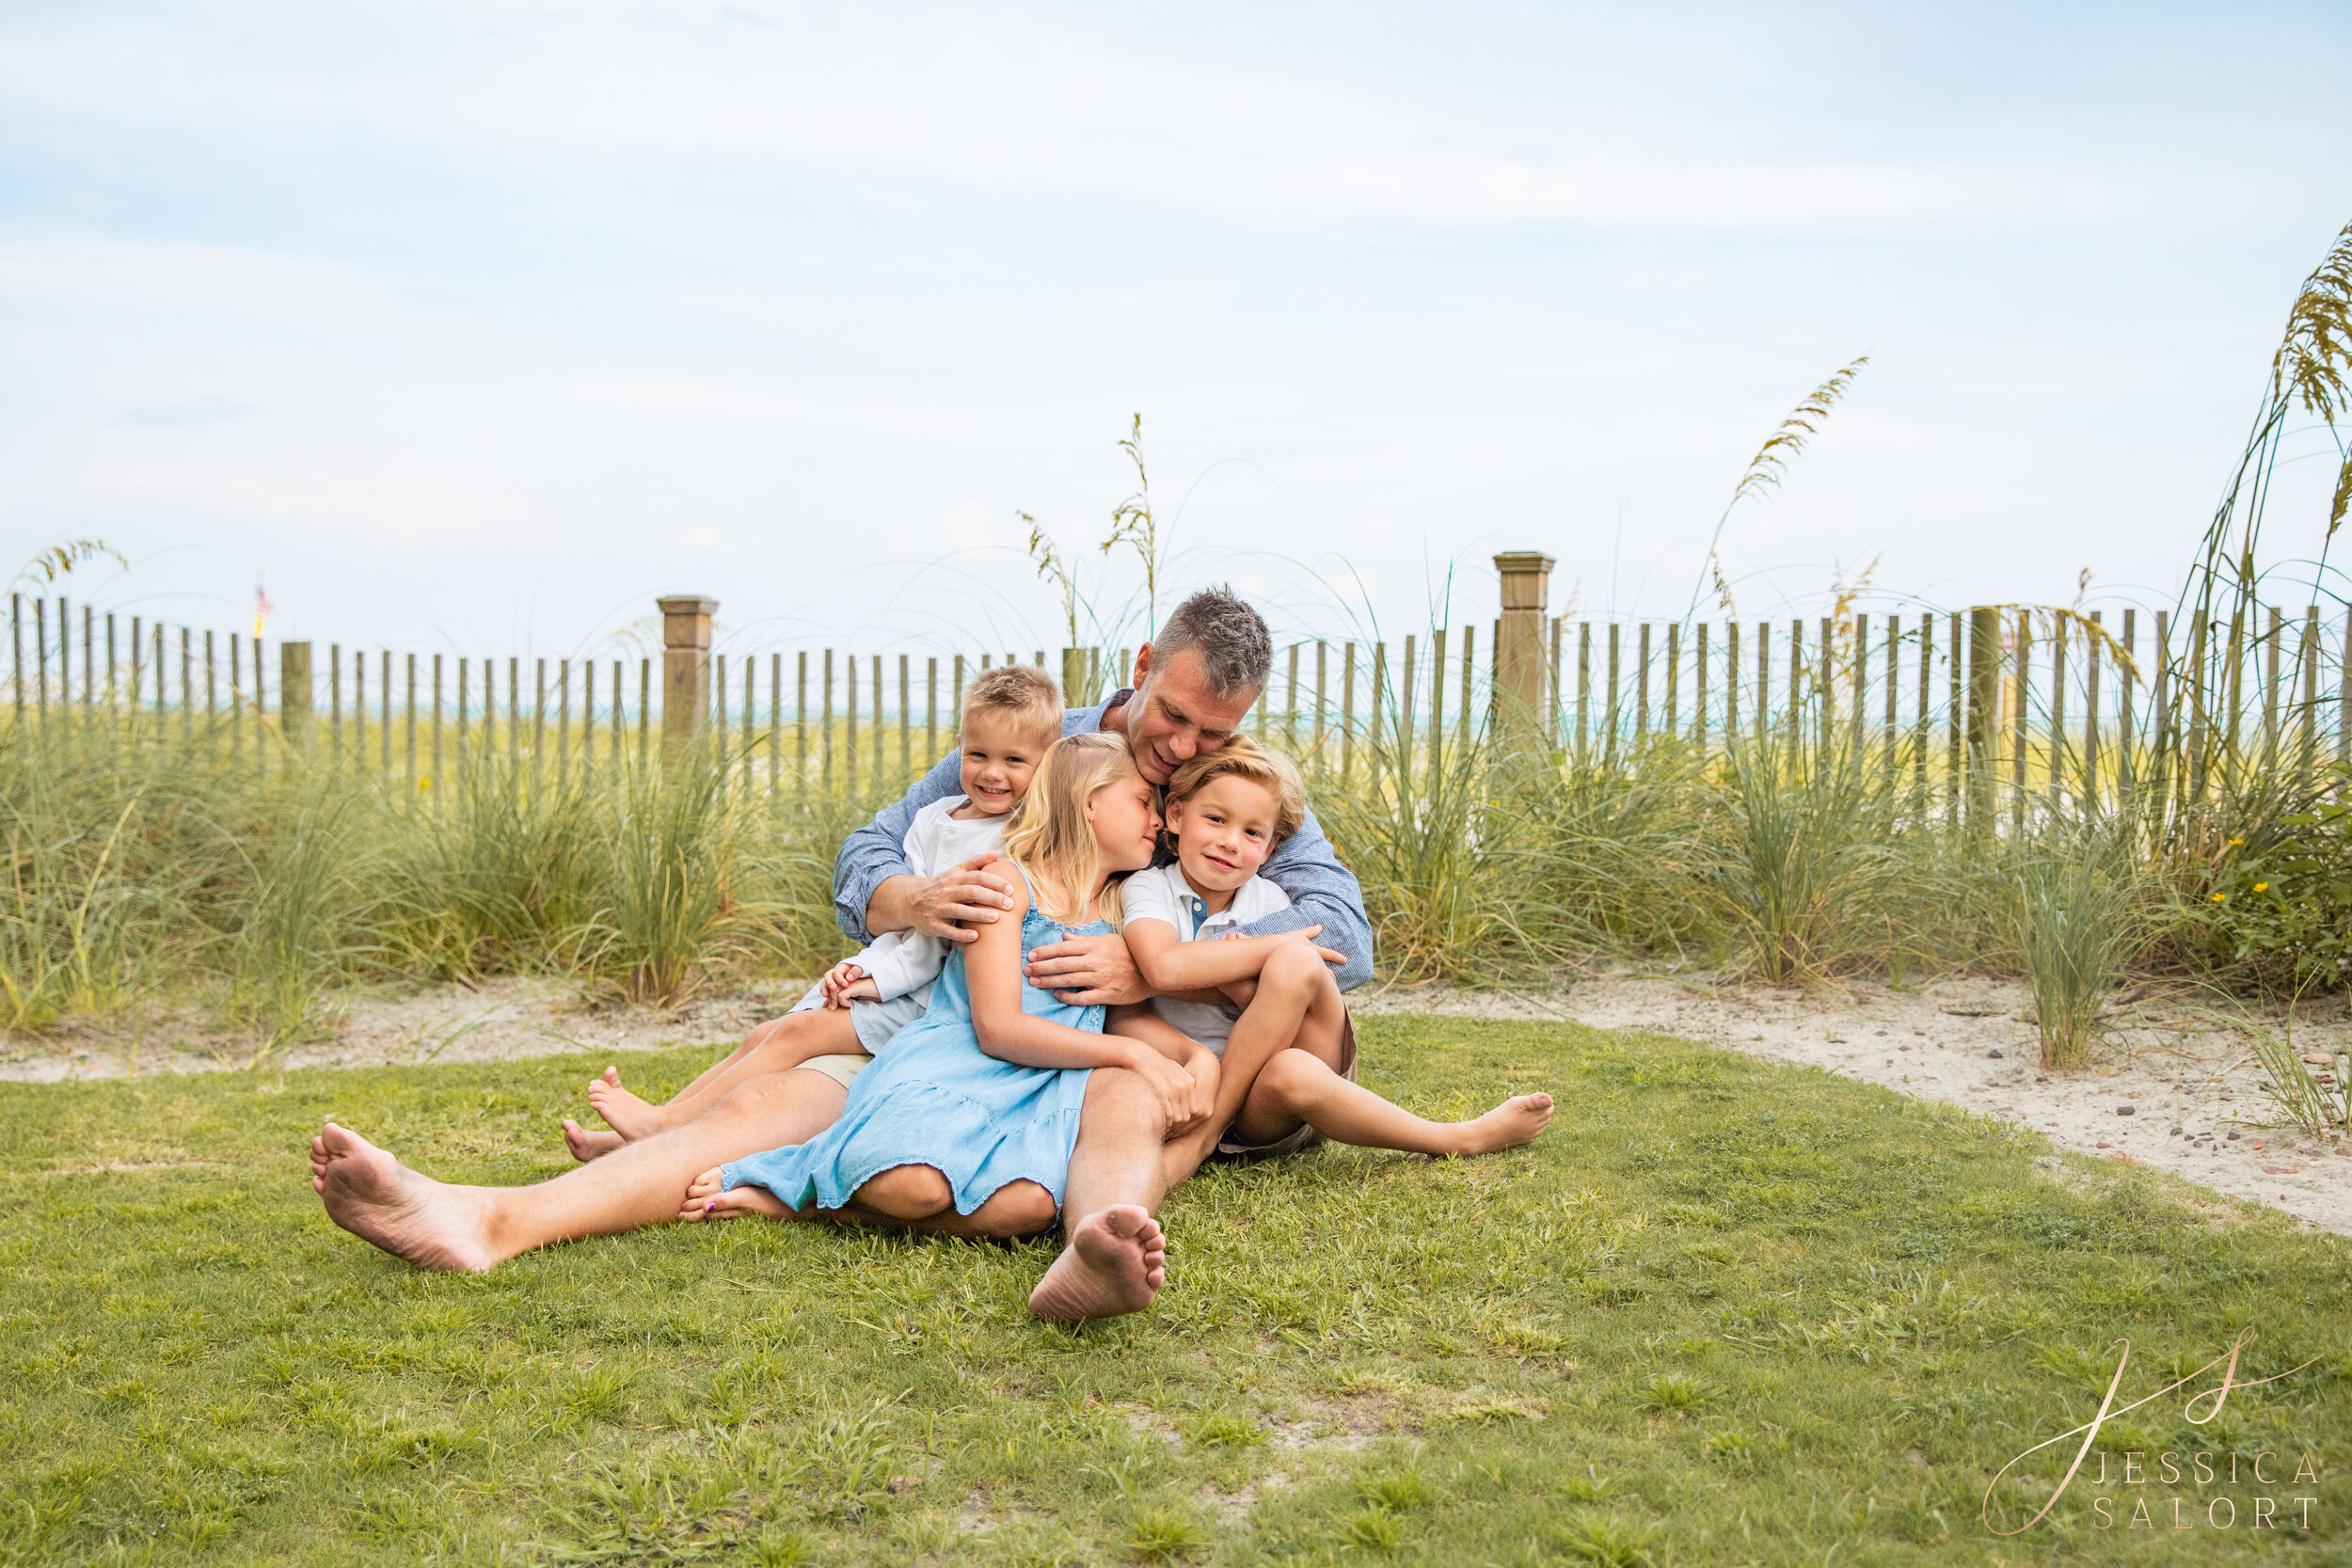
594	1142
438	1225
1299	1087
775	1046
1296	1005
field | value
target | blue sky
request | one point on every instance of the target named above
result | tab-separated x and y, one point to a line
474	327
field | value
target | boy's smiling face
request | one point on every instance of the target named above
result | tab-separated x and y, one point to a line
999	757
1224	832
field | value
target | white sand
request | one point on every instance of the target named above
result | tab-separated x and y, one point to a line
2189	1082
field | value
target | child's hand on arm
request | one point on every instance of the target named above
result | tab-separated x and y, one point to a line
1169	966
844	983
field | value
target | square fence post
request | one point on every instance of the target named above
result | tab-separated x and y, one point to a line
685	667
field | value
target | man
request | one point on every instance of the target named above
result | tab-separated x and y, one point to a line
1194	684
1191	689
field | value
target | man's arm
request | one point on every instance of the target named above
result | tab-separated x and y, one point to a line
1322	891
876	851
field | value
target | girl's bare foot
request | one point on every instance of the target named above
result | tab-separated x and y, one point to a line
586	1145
626	1114
378	1199
1513	1122
704	1200
1115	1262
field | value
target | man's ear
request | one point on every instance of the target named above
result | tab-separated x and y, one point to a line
1143	666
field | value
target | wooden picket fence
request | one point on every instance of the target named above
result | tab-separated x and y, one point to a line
2067	707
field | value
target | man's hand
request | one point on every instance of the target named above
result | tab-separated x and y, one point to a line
949	905
1087	971
1177	1090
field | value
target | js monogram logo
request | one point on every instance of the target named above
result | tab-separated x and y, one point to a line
2166	1468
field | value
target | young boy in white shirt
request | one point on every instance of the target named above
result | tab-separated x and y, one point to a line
1011	715
1267	1005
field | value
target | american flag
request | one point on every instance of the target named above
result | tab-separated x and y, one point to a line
263	608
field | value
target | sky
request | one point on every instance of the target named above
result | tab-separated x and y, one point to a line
474	328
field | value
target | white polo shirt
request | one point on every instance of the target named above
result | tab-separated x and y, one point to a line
1163	894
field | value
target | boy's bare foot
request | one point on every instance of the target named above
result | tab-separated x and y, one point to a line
586	1145
1115	1262
1513	1122
378	1199
626	1114
705	1201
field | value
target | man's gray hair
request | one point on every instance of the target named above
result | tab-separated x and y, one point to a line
1235	646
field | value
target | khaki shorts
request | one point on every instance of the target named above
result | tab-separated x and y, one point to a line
841	1070
1303	1137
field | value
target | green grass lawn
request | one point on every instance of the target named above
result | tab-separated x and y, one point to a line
1723	1312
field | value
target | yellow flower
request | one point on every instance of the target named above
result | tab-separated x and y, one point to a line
2262	887
2235	842
425	783
2220	897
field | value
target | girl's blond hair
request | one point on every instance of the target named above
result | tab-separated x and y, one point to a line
1049	836
1244	758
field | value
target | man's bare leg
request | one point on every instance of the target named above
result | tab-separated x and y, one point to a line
438	1225
776	1046
1117	1259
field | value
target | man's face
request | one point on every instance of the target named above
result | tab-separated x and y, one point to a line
1176	714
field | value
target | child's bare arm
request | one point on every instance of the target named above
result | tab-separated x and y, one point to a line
1138	1021
1168	965
993	970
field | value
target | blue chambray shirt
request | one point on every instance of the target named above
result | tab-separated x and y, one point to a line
1321	890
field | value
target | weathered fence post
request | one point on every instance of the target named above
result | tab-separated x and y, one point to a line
1520	699
294	694
685	667
1984	710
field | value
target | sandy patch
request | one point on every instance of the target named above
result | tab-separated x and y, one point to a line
2189	1084
499	1021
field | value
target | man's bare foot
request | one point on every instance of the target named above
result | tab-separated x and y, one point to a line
626	1114
1513	1122
378	1199
586	1145
705	1201
1115	1262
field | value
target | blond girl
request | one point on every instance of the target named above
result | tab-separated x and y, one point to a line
976	1103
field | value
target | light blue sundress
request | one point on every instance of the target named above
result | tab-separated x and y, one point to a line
934	1098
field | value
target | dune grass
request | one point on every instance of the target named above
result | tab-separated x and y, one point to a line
1723	1313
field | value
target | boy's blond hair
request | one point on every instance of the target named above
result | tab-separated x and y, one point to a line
1244	758
1022	693
1049	836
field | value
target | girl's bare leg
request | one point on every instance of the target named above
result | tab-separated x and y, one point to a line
775	1046
438	1225
904	1197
